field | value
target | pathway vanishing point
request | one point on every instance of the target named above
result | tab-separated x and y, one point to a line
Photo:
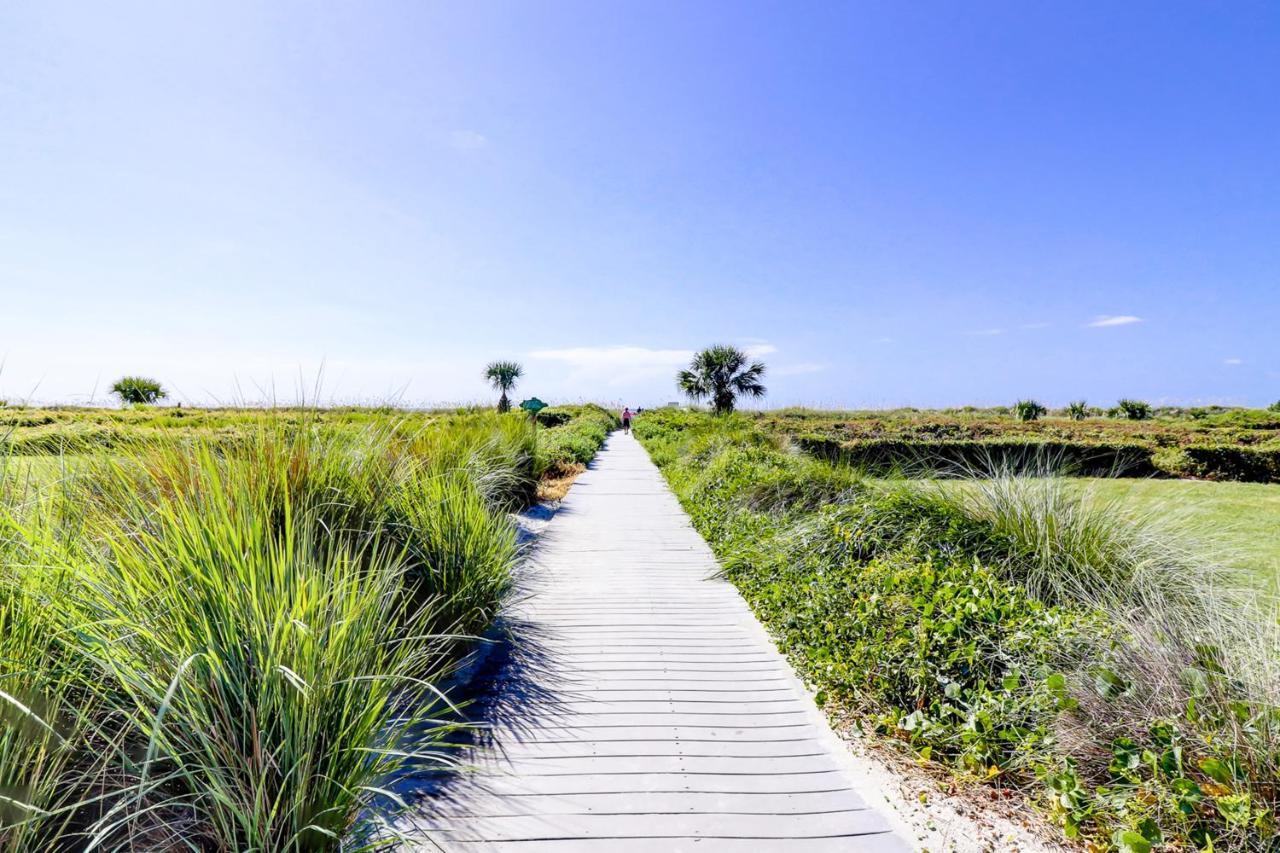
646	708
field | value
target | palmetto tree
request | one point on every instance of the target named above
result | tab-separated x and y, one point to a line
138	390
1134	410
720	374
1029	410
502	375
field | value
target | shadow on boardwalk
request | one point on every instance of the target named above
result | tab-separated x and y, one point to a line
514	686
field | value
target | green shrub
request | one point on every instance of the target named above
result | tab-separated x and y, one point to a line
581	432
554	417
1077	410
1248	464
1173	462
821	446
940	653
1245	464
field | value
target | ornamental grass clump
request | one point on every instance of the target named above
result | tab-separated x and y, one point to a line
261	667
231	646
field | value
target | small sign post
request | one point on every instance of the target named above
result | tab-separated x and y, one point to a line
533	405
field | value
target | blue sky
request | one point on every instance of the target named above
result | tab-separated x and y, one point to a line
892	203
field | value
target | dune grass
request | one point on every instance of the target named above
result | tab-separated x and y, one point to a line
224	645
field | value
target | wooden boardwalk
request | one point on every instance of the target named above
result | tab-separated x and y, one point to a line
645	708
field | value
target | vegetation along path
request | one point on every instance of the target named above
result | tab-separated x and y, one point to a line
647	709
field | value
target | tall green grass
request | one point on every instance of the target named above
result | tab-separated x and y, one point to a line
216	645
44	715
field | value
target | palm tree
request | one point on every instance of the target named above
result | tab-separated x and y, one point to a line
1029	410
720	373
502	375
1134	410
138	390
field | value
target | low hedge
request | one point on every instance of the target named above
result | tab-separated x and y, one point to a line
578	435
1246	464
554	417
967	457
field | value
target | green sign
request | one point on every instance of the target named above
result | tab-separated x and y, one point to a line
533	404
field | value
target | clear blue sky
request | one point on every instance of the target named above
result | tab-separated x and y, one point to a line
894	203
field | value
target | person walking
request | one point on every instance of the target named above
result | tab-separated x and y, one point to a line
626	419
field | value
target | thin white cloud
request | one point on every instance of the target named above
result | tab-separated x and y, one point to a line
632	356
884	340
797	369
615	356
625	365
1233	361
759	350
1104	320
617	366
467	140
983	333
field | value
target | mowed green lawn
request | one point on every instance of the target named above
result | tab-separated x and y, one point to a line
1242	518
1238	521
